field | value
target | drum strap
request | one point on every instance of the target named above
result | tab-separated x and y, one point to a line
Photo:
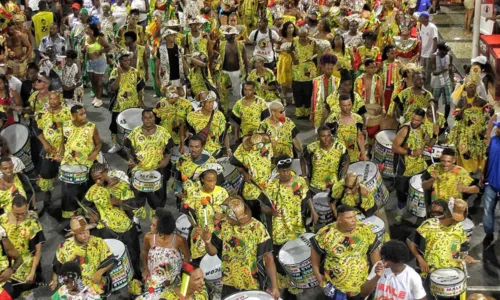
204	132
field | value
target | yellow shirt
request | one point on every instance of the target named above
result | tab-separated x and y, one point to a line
41	23
198	121
79	144
149	148
447	184
250	115
7	196
325	163
51	126
362	203
173	116
348	134
113	217
281	136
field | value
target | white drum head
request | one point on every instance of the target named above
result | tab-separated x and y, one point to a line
416	183
296	251
321	202
228	167
468	224
16	136
360	167
147	176
375	223
448	276
211	266
74	168
386	138
250	295
182	224
130	118
117	247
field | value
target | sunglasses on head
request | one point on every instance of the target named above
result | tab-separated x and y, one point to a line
284	162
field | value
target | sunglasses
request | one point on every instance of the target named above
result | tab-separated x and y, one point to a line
284	162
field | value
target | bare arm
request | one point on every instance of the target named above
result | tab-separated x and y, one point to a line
297	145
375	256
144	255
316	262
183	247
97	142
36	257
398	141
271	269
245	60
361	143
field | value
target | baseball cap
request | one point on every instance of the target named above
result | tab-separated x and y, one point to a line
481	59
76	6
425	14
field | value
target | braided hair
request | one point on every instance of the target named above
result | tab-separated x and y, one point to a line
98	168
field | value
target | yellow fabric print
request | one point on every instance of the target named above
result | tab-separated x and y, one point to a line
51	126
348	134
411	102
346	264
265	79
288	202
170	294
140	62
325	164
354	200
127	96
443	244
239	253
198	121
6	196
320	95
334	105
79	144
90	257
305	70
281	136
113	217
173	116
197	81
258	163
250	115
365	53
4	260
428	125
200	46
414	165
447	185
148	148
37	105
194	200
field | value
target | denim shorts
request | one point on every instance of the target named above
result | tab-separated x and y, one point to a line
97	66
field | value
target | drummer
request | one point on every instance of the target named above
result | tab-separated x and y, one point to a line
441	241
196	288
49	129
98	256
204	204
211	123
445	179
253	159
346	267
245	247
325	159
10	184
82	144
408	148
150	147
127	82
352	192
172	110
412	98
287	202
111	194
282	131
433	116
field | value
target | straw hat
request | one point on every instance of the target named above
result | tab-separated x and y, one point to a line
165	31
250	140
228	30
458	208
78	224
172	23
238	210
197	20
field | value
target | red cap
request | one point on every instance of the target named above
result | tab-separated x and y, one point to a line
76	6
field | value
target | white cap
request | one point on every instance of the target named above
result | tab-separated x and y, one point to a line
481	59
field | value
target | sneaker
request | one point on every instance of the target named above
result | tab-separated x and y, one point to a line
98	103
115	148
93	101
397	220
488	239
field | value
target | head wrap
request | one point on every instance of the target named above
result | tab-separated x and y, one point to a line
19	18
84	11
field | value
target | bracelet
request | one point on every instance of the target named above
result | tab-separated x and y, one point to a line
408	152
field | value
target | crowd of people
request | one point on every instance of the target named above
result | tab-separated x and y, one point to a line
249	192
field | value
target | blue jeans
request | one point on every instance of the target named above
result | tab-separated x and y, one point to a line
490	202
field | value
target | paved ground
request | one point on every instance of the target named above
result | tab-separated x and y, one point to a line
483	276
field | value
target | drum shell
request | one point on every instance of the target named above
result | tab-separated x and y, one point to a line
183	226
232	177
212	267
383	154
416	197
376	225
75	177
15	134
300	272
146	187
374	183
321	202
132	116
123	272
250	295
449	290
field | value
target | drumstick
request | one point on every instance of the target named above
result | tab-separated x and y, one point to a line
433	115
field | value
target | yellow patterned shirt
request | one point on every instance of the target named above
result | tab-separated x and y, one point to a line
197	121
411	102
281	136
443	244
447	185
173	116
325	163
266	79
250	115
288	202
127	96
37	105
334	105
170	294
4	260
79	143
241	247
113	217
305	70
217	197
414	165
362	203
257	162
148	148
90	257
51	126
6	196
428	125
348	134
346	256
364	53
24	236
200	46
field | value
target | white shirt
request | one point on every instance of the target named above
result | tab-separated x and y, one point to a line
141	6
428	34
407	285
33	4
15	84
120	14
263	46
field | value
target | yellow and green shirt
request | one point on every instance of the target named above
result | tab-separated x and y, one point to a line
267	78
428	125
281	136
325	164
348	134
173	116
170	294
127	94
346	256
334	105
51	126
305	70
408	102
288	201
37	104
6	196
197	121
446	186
249	116
79	144
364	204
148	148
415	140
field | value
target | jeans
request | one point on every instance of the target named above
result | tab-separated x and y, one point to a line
490	202
425	62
